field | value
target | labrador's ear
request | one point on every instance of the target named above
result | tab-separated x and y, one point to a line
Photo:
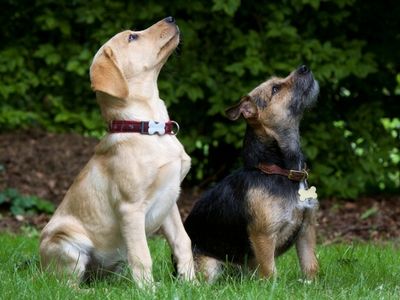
106	76
246	107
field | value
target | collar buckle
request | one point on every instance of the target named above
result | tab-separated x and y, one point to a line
298	175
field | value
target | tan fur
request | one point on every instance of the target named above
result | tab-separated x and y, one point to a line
263	230
263	122
267	118
264	252
305	247
275	221
129	188
264	211
266	233
208	267
107	77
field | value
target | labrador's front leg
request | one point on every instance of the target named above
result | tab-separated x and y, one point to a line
134	234
180	243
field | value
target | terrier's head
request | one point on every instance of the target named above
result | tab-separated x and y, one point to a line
277	103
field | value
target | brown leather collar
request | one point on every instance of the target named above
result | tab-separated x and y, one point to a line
144	127
294	175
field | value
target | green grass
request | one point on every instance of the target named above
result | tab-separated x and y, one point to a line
361	271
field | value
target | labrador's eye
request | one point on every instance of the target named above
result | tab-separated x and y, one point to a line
132	37
275	89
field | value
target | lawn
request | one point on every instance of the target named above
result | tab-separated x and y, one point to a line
359	271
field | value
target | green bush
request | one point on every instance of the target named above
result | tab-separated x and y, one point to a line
22	204
228	47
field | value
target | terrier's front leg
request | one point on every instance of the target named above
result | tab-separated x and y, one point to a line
305	246
264	251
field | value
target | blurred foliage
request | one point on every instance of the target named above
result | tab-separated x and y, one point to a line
22	204
228	47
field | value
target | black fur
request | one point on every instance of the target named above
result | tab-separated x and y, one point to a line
218	223
267	150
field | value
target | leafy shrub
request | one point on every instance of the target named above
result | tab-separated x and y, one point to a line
21	205
228	47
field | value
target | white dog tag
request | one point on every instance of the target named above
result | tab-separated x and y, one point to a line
156	127
310	193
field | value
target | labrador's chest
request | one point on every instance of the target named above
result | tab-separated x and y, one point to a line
149	170
162	196
159	210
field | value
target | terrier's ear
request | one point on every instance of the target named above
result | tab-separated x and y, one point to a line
106	76
246	107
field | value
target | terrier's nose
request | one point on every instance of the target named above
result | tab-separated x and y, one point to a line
303	69
169	19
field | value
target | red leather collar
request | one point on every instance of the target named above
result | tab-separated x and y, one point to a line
295	175
144	127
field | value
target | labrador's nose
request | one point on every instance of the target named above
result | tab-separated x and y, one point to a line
303	69
169	19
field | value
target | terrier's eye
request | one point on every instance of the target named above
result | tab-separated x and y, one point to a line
132	37
275	89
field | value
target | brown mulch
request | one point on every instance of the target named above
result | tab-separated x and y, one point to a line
44	164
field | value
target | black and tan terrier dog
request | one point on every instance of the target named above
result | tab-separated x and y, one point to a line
259	211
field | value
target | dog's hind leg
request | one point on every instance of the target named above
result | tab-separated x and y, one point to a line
66	255
208	267
180	244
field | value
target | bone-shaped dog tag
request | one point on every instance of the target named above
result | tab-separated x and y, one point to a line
307	194
156	127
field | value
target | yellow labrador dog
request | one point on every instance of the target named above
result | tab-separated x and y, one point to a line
129	188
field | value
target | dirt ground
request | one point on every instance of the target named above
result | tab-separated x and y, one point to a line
44	164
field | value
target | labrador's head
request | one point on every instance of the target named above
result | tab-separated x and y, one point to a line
130	54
